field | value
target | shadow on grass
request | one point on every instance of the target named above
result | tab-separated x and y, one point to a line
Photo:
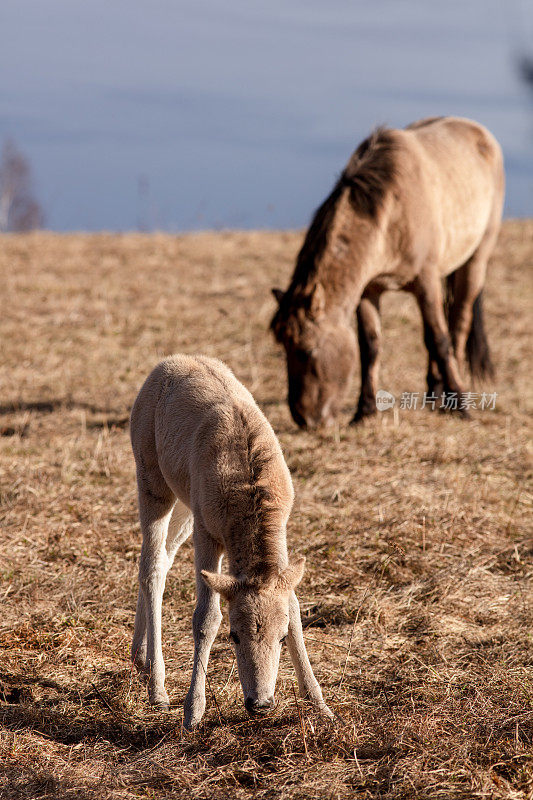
77	714
21	779
110	418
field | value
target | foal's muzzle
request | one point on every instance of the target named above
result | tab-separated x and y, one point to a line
259	706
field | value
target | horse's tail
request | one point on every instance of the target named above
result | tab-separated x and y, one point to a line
477	345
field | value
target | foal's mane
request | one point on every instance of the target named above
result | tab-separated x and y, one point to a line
369	174
258	510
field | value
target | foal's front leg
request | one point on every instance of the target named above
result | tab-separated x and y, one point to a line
307	683
205	624
369	333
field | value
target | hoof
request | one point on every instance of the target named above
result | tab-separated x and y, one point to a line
360	416
191	723
160	701
321	707
140	667
193	711
459	413
327	713
138	657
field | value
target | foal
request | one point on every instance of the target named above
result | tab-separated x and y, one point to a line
209	463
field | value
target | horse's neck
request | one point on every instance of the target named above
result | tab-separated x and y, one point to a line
347	266
344	282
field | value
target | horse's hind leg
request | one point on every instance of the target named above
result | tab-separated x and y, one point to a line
435	381
369	332
465	313
428	291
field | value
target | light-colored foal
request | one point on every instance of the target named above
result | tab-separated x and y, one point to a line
209	463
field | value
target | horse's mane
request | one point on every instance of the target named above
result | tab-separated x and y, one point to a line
369	174
371	171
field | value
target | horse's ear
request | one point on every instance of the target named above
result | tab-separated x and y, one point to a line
278	294
292	575
224	585
317	300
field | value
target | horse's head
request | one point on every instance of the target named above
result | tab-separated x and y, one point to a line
321	353
259	622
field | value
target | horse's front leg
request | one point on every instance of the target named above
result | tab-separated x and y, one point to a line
428	292
307	683
205	624
369	332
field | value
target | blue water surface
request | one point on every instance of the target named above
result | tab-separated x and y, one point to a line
187	114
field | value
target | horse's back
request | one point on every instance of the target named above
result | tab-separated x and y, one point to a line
445	137
452	183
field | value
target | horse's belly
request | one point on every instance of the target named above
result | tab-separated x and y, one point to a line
389	281
461	240
463	214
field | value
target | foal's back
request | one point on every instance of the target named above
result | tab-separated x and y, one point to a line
196	426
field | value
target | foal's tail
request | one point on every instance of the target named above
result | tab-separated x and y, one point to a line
477	345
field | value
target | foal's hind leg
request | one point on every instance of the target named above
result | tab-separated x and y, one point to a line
179	530
369	332
156	502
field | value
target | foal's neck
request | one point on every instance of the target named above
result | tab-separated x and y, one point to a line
256	552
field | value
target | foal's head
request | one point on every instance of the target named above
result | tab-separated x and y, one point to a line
321	353
259	623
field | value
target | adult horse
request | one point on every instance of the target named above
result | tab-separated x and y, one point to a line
411	207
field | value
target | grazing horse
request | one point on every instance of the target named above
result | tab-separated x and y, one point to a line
208	463
411	207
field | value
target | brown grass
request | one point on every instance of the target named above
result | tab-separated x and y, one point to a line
417	595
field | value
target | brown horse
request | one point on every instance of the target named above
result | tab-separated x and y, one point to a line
411	207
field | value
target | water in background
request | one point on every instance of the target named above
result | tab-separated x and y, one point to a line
203	113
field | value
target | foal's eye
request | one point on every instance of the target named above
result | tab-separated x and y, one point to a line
233	636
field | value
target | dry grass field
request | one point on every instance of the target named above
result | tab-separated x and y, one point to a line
417	598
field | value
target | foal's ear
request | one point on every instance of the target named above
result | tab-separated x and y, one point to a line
223	584
292	575
278	294
317	300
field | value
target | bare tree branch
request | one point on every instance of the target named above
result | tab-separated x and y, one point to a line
19	210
